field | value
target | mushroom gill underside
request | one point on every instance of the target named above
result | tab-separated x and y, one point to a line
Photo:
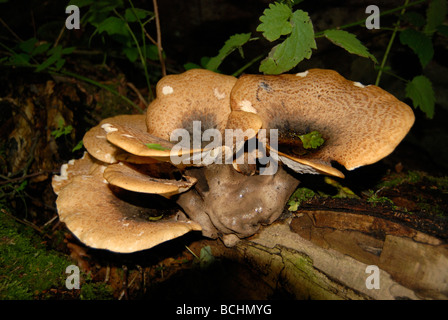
127	194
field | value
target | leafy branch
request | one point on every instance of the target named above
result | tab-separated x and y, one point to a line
293	37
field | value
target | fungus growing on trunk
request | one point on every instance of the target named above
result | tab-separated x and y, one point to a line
128	194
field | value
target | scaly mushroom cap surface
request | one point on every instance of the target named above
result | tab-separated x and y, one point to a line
105	217
360	124
195	95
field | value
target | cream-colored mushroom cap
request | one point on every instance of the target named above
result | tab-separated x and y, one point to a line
360	124
143	178
101	219
95	140
138	142
195	95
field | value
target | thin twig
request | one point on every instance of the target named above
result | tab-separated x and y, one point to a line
96	83
149	37
10	30
159	38
23	177
59	36
27	223
389	45
131	85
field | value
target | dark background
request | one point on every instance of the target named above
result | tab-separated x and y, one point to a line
190	30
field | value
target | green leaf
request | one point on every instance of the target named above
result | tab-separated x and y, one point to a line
234	42
420	91
312	140
420	43
443	30
81	3
414	18
275	21
59	63
68	50
132	15
78	146
28	45
294	49
155	146
191	65
152	52
131	53
47	63
206	257
19	59
435	15
349	42
113	26
41	48
55	58
204	61
299	196
61	130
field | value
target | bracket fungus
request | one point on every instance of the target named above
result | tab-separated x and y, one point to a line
128	194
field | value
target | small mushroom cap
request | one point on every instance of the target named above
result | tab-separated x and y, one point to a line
360	124
245	122
138	142
142	179
195	95
95	140
100	219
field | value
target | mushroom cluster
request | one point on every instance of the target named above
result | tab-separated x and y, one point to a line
138	185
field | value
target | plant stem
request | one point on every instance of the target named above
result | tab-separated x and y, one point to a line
140	53
247	65
96	83
389	45
159	38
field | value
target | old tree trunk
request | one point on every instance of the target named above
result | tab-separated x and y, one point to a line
338	249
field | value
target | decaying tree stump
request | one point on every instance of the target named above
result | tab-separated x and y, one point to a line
326	254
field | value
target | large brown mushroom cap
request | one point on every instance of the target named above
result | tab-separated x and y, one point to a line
195	95
100	217
360	124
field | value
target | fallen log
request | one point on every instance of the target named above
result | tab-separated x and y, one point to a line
328	254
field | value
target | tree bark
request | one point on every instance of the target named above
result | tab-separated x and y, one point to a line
325	254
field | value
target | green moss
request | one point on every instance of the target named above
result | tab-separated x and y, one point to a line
299	196
27	267
96	291
399	179
374	199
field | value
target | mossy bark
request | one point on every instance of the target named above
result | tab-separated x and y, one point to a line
326	255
